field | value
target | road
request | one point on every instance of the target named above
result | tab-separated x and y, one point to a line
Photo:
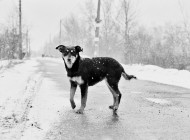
148	110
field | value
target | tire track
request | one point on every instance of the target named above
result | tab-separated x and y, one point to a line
14	111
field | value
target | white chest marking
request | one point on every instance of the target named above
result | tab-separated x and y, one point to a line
77	79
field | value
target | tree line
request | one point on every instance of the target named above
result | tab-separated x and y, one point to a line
9	37
122	37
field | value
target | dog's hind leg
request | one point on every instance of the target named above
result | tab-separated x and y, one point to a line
84	92
113	86
112	91
72	94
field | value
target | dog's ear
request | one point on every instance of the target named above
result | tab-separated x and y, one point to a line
60	48
78	49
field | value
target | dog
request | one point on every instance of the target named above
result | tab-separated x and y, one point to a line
85	72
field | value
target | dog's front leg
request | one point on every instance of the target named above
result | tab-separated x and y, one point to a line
72	93
84	93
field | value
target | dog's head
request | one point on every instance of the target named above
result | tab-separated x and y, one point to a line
69	54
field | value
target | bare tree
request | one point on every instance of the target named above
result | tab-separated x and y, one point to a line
9	38
107	27
73	33
109	35
89	14
127	18
74	30
186	24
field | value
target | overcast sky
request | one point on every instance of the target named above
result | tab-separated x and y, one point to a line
43	16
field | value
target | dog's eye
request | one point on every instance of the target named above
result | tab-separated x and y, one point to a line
66	52
73	52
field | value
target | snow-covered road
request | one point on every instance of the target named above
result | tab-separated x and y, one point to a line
34	104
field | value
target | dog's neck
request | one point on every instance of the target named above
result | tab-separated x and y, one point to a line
73	70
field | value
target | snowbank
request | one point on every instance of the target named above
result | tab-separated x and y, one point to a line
16	76
157	74
8	63
17	88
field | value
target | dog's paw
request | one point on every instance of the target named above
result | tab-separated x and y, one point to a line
115	108
115	113
111	107
73	104
79	111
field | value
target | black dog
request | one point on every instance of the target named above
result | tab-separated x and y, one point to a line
87	72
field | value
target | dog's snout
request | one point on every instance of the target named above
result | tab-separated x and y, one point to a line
69	59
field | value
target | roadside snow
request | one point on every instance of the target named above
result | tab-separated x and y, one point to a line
17	90
157	74
4	64
13	79
159	101
44	111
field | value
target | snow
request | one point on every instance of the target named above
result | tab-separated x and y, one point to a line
12	79
8	63
44	112
21	81
153	73
17	80
159	101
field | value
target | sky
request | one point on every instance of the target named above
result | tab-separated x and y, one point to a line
43	16
159	12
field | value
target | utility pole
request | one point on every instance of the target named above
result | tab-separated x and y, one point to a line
20	30
96	40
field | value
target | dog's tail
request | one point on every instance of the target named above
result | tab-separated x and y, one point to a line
128	77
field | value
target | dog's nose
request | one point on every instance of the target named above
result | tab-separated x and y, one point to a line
69	59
